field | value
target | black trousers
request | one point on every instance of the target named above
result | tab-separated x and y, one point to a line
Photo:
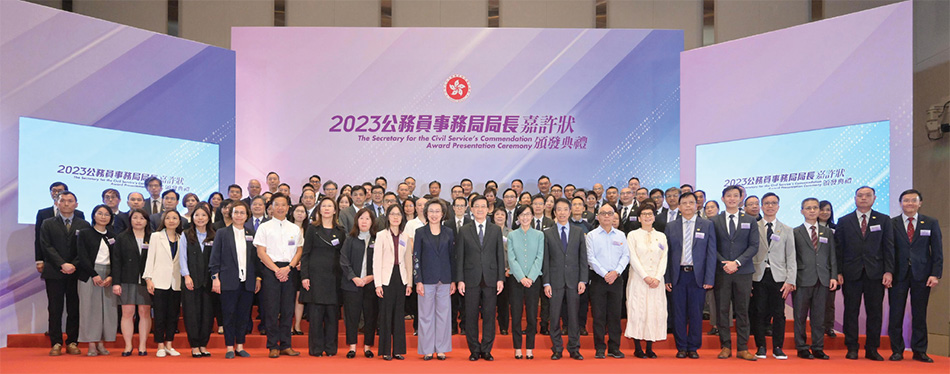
216	309
392	324
58	291
324	328
732	291
197	309
166	304
809	301
768	304
606	303
524	300
919	298
873	292
278	299
571	298
361	303
480	301
236	312
502	304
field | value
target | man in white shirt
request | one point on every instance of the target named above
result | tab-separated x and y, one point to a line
608	256
279	245
672	200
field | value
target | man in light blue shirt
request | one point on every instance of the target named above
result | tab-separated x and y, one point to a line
608	255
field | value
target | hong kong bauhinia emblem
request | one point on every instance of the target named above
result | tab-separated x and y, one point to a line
457	88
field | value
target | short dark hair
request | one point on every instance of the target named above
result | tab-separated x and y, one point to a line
430	202
107	190
611	188
583	201
807	199
520	209
408	178
646	206
543	177
633	178
283	184
390	193
306	186
644	188
700	191
329	183
868	187
275	173
509	189
354	190
377	187
569	184
453	187
911	192
315	176
381	177
730	188
171	191
211	196
65	187
516	180
402	223
437	183
235	186
655	190
465	180
281	196
686	185
562	201
479	198
459	198
770	194
67	192
558	186
237	203
688	194
153	178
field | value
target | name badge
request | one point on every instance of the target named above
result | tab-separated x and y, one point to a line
504	239
249	237
822	239
111	241
372	245
875	228
208	244
291	242
700	235
617	243
144	245
744	226
336	242
401	242
662	247
776	238
633	219
924	232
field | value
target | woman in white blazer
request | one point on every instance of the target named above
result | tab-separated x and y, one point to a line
392	275
163	279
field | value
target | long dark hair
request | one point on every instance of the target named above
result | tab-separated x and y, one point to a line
290	216
148	224
317	220
831	219
192	233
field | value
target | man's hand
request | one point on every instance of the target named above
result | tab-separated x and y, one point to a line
452	288
547	291
306	284
787	288
832	284
358	281
68	268
216	286
932	281
500	287
581	286
611	276
840	280
730	267
888	279
669	287
707	286
420	289
39	267
461	288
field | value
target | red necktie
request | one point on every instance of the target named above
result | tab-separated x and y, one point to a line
864	224
910	229
814	238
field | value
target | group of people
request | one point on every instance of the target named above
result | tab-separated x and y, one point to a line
534	262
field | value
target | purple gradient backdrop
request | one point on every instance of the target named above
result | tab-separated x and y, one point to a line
67	67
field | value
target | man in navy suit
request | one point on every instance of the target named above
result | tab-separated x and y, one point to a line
919	248
865	243
737	242
41	215
565	273
691	270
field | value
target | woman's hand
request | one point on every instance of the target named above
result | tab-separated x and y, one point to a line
150	286
189	283
306	284
420	289
216	286
379	292
117	290
358	281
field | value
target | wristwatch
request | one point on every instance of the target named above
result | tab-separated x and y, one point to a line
214	277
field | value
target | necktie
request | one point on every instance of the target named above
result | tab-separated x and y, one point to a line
769	232
623	215
910	229
864	224
257	222
481	234
814	238
459	224
687	244
68	223
732	224
155	207
564	237
379	211
537	225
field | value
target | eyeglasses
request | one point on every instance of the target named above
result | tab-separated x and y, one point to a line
770	203
606	214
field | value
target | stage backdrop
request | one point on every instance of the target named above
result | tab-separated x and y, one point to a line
350	104
64	67
821	109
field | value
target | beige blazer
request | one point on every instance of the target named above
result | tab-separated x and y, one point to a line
383	258
160	266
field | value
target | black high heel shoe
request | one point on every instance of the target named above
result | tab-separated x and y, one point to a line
426	357
440	356
143	353
126	354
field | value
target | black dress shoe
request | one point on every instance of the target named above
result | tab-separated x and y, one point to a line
504	332
368	354
922	357
873	355
852	355
440	356
639	354
473	357
693	354
351	354
387	357
488	357
650	354
820	355
426	357
399	357
599	354
831	333
896	356
805	354
205	354
544	331
584	331
616	354
679	354
557	356
577	356
713	331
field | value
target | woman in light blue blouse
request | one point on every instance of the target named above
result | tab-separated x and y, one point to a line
525	255
196	293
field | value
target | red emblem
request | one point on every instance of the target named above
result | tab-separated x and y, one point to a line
457	88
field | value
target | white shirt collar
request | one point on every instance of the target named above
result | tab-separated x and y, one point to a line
904	217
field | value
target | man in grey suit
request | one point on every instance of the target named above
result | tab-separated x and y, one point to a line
480	273
169	202
737	241
817	270
774	278
153	204
347	216
565	275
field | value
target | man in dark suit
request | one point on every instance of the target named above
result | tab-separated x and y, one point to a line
169	202
691	270
348	215
672	199
480	273
41	215
565	272
153	204
253	190
134	200
865	243
58	244
919	247
816	268
627	208
737	241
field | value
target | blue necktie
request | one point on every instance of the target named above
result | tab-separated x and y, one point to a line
481	235
564	237
257	222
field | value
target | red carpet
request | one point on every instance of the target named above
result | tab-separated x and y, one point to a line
35	360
